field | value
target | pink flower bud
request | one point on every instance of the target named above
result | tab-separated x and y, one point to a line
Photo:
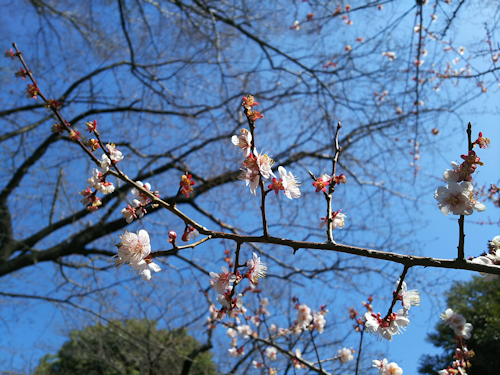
172	236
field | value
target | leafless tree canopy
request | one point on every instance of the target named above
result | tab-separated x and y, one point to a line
165	79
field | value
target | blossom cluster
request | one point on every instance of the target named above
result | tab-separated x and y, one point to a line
395	322
460	199
245	331
462	331
222	284
492	257
139	203
311	320
321	183
97	181
259	165
386	368
458	323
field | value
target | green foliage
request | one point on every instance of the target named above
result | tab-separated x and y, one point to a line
479	302
133	347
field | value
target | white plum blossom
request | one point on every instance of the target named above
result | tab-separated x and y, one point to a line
142	198
345	355
487	259
244	330
408	297
385	368
133	249
458	323
393	369
265	163
455	198
495	243
375	324
105	163
452	175
381	365
390	55
114	154
144	267
319	321
338	220
234	352
257	365
296	363
256	268
212	311
304	316
222	281
251	178
96	182
491	258
133	212
256	165
271	353
464	331
264	302
243	141
231	332
290	183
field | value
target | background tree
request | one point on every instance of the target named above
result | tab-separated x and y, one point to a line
130	347
479	302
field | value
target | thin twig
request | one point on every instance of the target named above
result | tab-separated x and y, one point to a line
461	220
396	293
359	351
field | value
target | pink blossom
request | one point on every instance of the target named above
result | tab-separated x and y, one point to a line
186	184
91	126
189	233
22	73
10	53
172	236
321	183
249	102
